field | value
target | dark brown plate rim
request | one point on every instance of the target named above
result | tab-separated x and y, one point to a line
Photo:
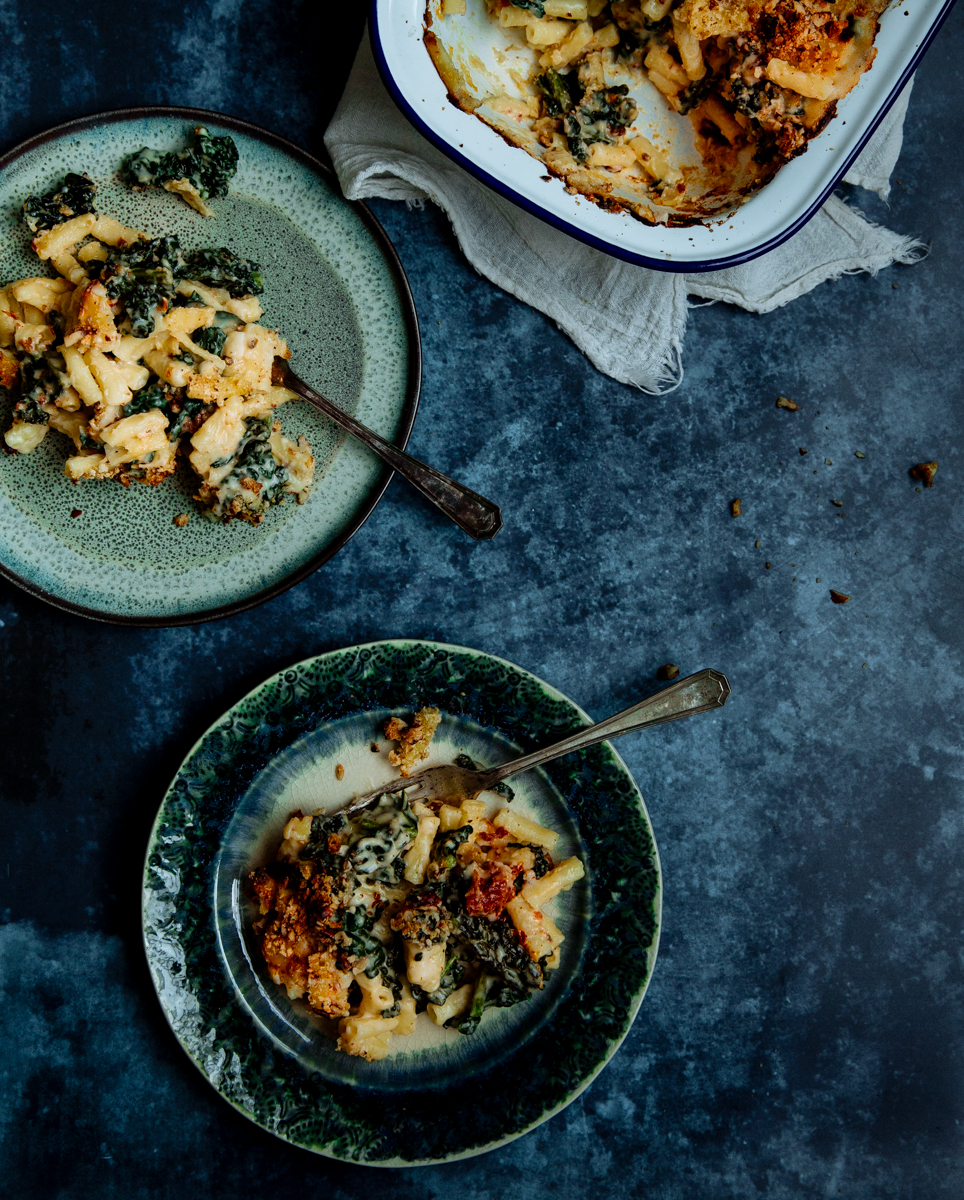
413	389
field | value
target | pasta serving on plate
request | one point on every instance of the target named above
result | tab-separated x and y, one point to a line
136	349
408	908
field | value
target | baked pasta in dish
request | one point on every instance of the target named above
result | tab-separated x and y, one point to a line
137	349
409	908
671	110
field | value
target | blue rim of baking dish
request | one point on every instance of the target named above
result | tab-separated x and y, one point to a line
614	251
413	383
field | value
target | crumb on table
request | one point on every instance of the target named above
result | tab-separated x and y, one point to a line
736	507
339	771
838	597
925	472
667	671
182	519
413	740
786	402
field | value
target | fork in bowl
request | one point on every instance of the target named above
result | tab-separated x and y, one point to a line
703	692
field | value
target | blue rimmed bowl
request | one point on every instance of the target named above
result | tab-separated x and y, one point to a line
442	1096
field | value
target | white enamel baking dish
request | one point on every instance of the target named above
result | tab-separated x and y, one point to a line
774	214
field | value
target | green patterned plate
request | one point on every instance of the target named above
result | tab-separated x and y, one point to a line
440	1095
335	290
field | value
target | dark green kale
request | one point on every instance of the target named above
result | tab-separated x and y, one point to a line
143	277
490	992
74	197
499	948
39	384
357	926
176	405
255	482
316	848
560	92
542	865
501	789
224	269
601	116
211	339
453	976
444	850
208	165
695	93
534	6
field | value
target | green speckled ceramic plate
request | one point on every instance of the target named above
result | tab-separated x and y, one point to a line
440	1095
335	290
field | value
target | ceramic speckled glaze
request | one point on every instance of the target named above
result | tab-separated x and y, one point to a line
335	290
276	750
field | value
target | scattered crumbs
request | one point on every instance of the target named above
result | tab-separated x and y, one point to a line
802	452
894	285
838	503
669	670
925	472
75	512
793	564
440	322
786	402
736	507
818	579
757	543
838	597
374	747
182	519
815	472
857	454
864	665
828	462
546	178
339	771
767	565
794	579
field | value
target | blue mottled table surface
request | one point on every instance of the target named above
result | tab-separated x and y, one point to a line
802	1035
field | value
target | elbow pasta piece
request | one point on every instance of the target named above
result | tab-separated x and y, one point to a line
532	927
524	830
416	860
456	1004
64	237
424	964
559	879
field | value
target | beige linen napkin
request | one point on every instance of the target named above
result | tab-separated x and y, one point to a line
628	320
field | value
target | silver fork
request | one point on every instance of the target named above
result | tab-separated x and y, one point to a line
479	517
699	693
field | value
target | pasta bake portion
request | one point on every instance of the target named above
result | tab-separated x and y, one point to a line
138	350
409	908
751	81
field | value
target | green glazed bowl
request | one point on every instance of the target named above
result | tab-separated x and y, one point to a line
336	291
440	1095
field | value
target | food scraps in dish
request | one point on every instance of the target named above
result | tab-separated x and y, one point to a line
141	352
409	908
670	110
197	173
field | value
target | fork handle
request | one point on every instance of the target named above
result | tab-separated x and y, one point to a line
480	518
699	693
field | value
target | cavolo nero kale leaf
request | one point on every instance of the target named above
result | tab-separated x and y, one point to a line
39	384
490	992
536	7
74	197
211	339
224	269
144	277
208	165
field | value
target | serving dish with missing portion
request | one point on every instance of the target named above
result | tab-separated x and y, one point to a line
332	283
465	79
438	1094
